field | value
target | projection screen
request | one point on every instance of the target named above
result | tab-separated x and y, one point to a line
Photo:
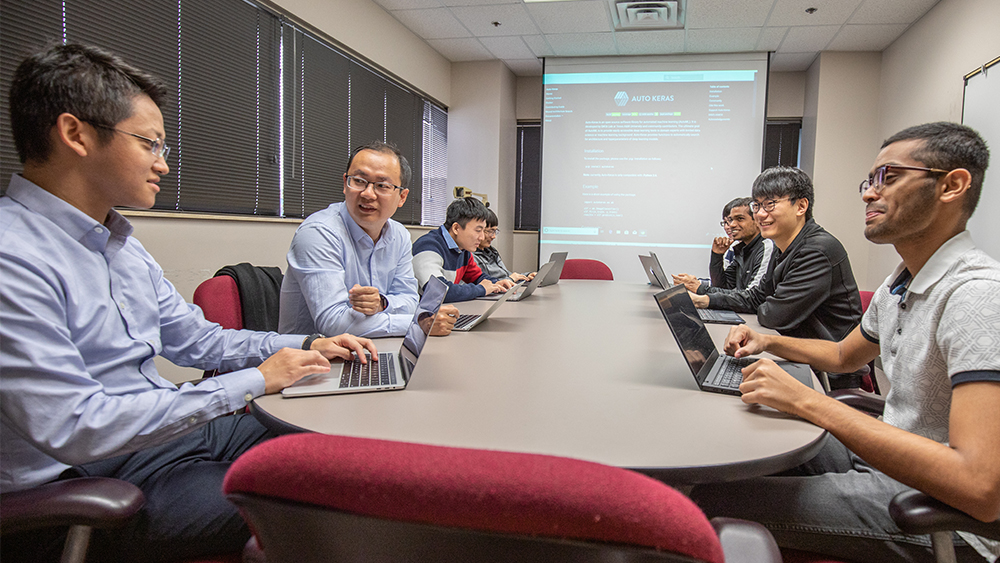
640	154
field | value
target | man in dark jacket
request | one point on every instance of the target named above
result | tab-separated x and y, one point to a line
809	290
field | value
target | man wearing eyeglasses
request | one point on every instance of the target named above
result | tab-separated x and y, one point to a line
809	290
751	253
350	266
935	324
84	310
488	257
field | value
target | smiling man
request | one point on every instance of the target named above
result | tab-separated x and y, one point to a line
750	255
84	310
447	253
350	265
809	290
934	322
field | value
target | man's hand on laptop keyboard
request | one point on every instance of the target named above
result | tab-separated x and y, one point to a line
767	384
445	321
342	346
742	342
700	301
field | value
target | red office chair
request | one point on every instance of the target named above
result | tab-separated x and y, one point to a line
315	497
219	299
586	269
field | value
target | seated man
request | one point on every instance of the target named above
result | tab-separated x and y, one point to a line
446	252
928	322
350	265
84	309
488	258
751	253
809	290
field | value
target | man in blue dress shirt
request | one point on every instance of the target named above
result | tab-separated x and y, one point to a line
350	266
84	309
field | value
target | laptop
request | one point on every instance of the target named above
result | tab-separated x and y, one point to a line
466	323
553	276
713	372
528	289
718	316
392	371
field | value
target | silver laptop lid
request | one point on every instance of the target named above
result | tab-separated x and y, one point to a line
665	280
647	267
423	322
553	276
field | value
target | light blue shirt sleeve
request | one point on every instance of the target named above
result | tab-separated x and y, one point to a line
323	264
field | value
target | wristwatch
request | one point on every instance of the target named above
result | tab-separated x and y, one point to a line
308	342
385	302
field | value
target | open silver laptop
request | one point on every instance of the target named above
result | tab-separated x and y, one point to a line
528	289
392	371
657	277
553	276
714	372
466	323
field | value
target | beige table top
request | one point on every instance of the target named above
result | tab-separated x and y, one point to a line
582	369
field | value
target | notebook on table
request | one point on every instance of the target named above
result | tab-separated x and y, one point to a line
466	323
528	289
658	278
713	372
392	371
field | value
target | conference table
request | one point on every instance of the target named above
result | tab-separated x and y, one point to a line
582	369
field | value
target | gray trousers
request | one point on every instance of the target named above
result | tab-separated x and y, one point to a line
835	505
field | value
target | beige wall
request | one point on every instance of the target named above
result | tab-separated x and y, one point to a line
396	48
786	94
529	98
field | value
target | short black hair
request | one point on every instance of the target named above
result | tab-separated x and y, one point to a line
405	173
738	202
949	146
463	210
784	181
491	219
94	85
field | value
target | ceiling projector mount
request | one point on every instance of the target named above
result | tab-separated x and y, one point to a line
655	14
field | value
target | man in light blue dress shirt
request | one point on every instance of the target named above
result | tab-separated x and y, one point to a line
350	265
84	309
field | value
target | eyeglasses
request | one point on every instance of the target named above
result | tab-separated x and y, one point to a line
492	232
728	221
381	188
877	180
156	146
768	205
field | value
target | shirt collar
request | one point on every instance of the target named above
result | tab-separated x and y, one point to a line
447	238
354	229
75	223
940	262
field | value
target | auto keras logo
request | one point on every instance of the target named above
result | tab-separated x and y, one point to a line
621	98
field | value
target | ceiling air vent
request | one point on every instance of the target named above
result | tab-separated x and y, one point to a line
660	14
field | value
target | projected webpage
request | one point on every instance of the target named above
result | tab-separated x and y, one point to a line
641	155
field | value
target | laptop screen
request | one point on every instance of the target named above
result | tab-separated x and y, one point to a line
423	318
689	330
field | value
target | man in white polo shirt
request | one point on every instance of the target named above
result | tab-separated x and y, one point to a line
935	322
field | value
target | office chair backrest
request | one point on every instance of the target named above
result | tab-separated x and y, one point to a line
314	497
219	299
586	269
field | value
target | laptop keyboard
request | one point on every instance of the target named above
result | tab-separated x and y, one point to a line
464	320
729	375
372	374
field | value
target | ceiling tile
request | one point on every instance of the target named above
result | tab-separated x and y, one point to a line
571	17
792	62
726	13
722	40
828	12
477	2
650	42
770	38
408	4
435	23
507	47
457	50
866	37
808	38
514	20
524	67
581	44
891	11
538	45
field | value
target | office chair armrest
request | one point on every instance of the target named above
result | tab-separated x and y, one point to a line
868	403
917	513
746	542
97	502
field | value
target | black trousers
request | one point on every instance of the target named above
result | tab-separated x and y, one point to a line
185	514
